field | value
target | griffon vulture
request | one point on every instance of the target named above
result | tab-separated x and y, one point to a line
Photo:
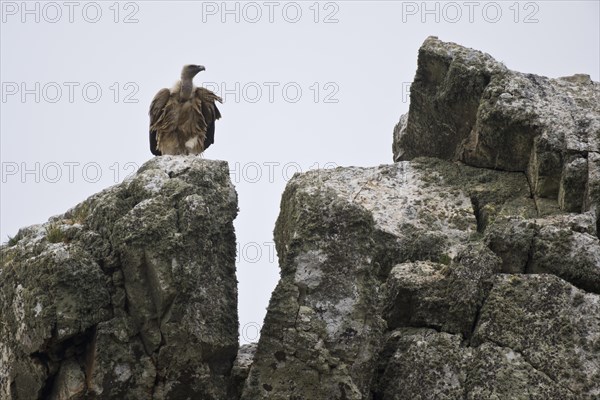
182	120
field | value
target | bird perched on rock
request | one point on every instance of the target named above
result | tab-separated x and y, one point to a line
182	119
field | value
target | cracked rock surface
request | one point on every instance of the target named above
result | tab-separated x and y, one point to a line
469	269
466	106
131	294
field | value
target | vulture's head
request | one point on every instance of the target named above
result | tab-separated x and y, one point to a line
190	70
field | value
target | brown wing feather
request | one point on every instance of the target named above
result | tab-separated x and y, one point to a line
211	113
156	112
158	104
209	109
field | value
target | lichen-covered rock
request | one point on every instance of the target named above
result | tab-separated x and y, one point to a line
565	245
446	298
592	188
467	107
444	98
552	324
567	253
321	333
495	372
422	364
131	294
464	105
511	239
241	368
428	364
430	278
339	234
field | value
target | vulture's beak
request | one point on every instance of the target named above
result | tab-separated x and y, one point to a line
201	68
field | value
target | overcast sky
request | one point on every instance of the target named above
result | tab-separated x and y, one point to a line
305	85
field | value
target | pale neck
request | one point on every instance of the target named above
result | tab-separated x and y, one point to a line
186	88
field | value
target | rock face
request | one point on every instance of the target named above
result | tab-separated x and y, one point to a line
468	269
466	106
130	295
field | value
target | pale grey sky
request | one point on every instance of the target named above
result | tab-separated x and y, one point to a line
306	85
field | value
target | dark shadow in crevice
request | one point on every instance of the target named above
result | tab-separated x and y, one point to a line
481	223
55	353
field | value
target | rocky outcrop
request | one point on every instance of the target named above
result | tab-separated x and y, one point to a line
468	269
130	295
376	261
466	106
